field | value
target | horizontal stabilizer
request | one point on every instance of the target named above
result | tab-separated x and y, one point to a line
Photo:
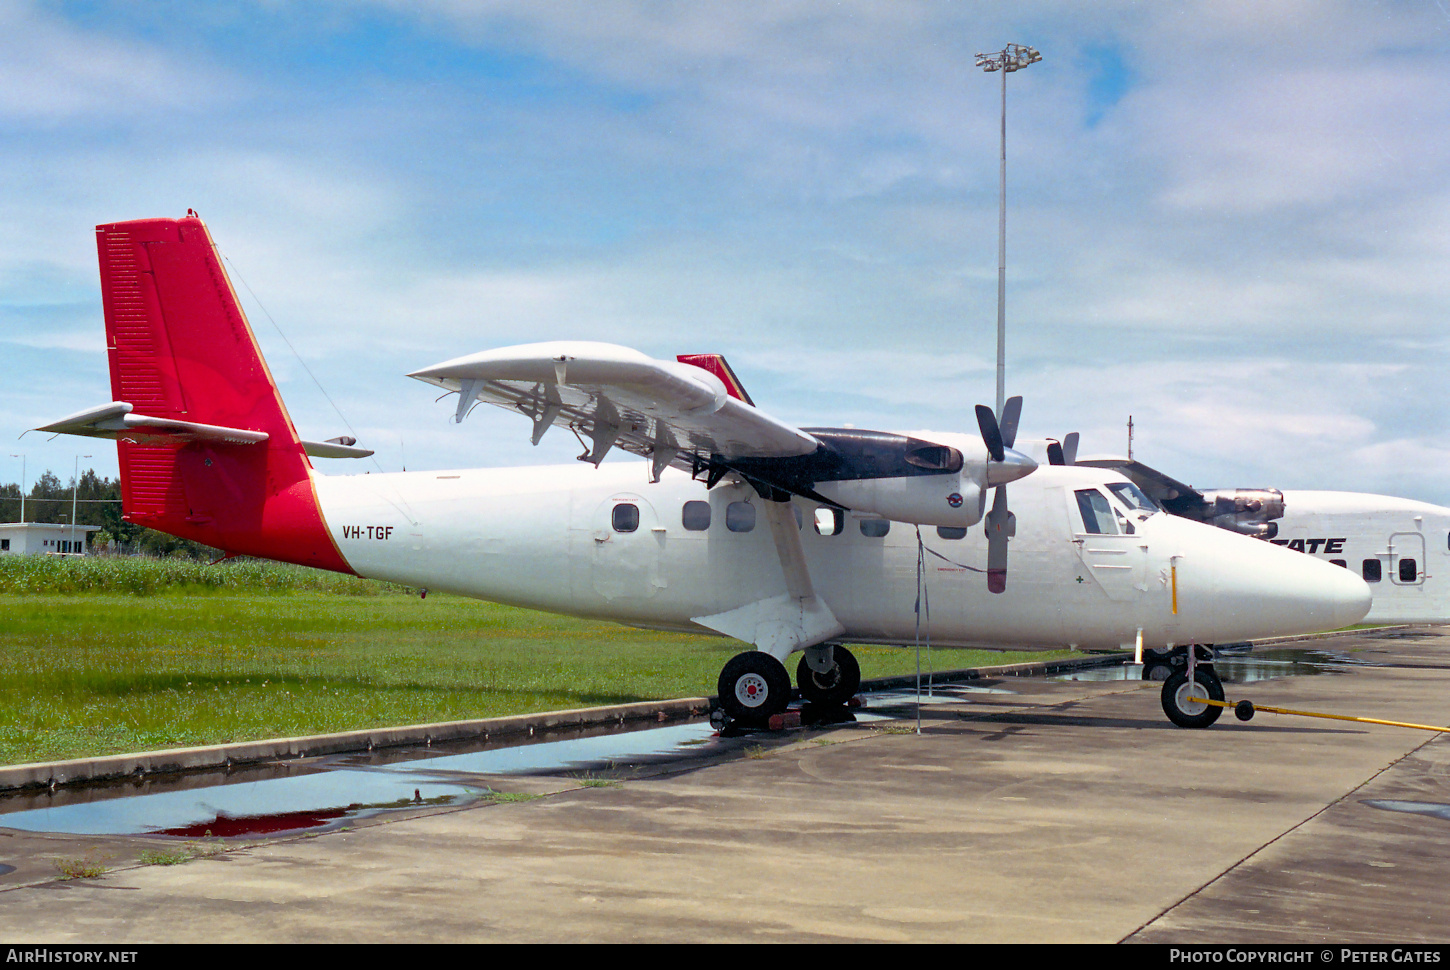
116	420
331	449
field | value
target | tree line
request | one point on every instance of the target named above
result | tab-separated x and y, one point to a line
97	502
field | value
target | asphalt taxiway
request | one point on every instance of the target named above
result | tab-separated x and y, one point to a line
1041	810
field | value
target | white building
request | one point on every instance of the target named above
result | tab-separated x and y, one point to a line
40	538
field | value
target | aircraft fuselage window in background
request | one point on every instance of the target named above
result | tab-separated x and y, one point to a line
1340	562
625	517
1371	570
829	521
740	517
951	532
875	528
1409	571
695	516
1097	513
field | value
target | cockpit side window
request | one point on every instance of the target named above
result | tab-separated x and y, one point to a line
1133	496
1097	512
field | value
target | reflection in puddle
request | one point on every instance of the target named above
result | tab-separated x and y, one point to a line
1241	667
1437	809
327	794
307	801
548	757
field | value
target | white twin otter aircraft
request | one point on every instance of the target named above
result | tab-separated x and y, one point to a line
788	539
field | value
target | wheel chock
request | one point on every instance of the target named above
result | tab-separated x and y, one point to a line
1245	710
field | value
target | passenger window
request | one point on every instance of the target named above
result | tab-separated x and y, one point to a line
1097	514
1371	570
951	532
1408	571
625	517
695	516
1340	562
875	528
829	521
740	517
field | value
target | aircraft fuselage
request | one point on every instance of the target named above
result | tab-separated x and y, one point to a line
554	538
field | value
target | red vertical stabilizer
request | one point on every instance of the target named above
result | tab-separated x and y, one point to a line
180	348
715	364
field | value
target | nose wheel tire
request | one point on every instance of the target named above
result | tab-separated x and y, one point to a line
753	687
834	687
1183	702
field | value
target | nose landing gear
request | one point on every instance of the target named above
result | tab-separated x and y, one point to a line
1183	698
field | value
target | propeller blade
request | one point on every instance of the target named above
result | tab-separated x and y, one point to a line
991	434
1007	420
1069	448
1054	453
1001	526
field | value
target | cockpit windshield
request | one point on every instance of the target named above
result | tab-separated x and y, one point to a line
1133	497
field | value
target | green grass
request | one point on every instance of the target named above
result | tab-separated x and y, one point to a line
89	673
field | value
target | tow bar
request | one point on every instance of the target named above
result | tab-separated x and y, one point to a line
1245	711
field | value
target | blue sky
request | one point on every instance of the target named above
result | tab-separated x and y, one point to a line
1229	220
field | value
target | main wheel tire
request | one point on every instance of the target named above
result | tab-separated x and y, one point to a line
753	687
834	687
1179	701
1157	669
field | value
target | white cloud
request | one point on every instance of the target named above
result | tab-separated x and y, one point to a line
50	70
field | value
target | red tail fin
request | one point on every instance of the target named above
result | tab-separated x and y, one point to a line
715	364
180	348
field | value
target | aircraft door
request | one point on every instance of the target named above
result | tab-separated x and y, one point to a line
627	543
1407	559
1112	552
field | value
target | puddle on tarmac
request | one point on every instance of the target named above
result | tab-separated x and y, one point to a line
320	800
328	794
891	704
1242	667
1436	809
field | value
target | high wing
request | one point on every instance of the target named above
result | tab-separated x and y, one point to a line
693	414
611	396
1247	511
1167	492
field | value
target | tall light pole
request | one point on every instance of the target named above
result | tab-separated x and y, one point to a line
1013	57
22	485
75	487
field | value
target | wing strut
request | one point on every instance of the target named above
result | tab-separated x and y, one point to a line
794	620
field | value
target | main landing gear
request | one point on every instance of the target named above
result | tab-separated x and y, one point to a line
754	686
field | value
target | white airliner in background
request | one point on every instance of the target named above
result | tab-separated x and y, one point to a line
733	522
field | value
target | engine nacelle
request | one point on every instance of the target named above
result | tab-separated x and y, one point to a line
952	500
1247	511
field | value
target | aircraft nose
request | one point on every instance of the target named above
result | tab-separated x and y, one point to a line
1304	595
1352	596
1014	465
1265	590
